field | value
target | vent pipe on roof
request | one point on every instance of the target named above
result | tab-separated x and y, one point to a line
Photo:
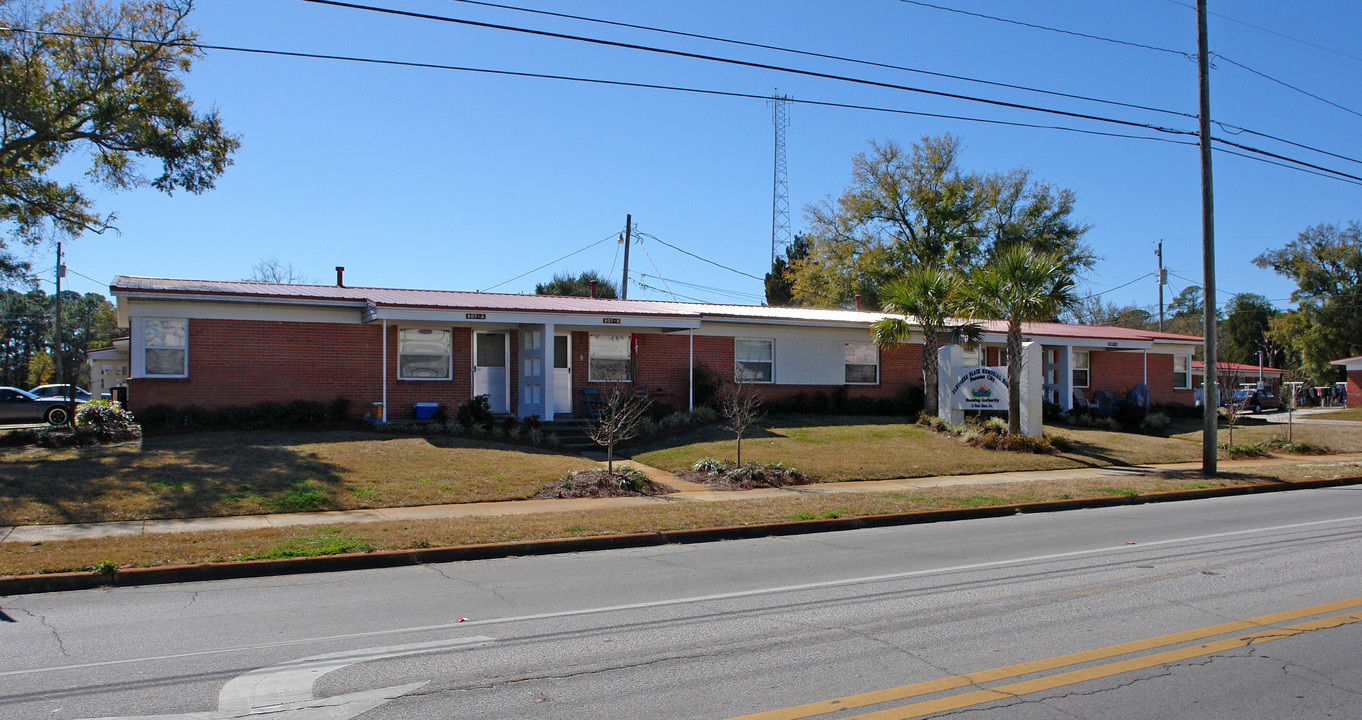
858	301
340	276
594	283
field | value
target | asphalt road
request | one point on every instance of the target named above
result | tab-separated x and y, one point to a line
1238	608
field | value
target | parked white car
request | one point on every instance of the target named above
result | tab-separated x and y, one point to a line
60	391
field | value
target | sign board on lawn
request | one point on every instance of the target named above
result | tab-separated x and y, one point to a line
982	388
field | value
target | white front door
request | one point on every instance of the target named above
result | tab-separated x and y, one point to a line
562	374
489	368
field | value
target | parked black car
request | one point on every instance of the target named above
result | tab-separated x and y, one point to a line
1256	401
21	406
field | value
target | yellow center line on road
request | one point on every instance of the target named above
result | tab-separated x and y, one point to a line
1004	692
1261	623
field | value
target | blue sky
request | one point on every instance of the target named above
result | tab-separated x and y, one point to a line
443	179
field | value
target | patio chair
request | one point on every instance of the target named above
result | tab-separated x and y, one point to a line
591	403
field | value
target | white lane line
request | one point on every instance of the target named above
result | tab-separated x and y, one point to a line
738	594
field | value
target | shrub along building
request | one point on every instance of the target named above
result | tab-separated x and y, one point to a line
216	344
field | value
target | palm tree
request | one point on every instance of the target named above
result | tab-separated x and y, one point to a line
931	296
1019	285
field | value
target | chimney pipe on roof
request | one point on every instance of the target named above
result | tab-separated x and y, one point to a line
858	301
594	283
340	276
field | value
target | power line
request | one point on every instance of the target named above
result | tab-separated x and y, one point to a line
1284	36
777	68
674	295
1118	287
740	63
1287	85
707	288
1047	28
616	83
962	78
659	270
1324	172
541	267
697	257
1188	56
825	56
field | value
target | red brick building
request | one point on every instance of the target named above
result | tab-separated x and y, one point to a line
217	344
1353	388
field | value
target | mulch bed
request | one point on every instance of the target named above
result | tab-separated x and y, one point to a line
753	477
599	484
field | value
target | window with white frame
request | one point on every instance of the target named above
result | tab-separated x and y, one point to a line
1080	368
1182	372
608	358
1002	356
754	360
165	348
425	354
862	363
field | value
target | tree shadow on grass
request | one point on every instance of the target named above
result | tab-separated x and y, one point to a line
1221	478
204	474
1092	455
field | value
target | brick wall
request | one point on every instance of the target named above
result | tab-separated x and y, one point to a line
1118	372
1354	388
661	370
246	362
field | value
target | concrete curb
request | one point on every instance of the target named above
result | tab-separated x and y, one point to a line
63	582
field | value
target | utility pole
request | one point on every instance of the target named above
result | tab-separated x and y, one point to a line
628	229
1163	280
1210	394
56	322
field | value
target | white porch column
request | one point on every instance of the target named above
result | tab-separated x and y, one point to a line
1066	377
550	397
385	371
1032	396
949	361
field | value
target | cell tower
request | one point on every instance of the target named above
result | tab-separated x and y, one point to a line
780	185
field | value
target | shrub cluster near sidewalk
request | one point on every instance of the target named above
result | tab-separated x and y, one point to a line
991	434
96	423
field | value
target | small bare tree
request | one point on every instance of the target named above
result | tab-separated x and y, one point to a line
740	406
1227	376
618	418
273	270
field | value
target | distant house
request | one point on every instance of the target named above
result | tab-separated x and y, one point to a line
1353	366
1243	374
215	344
108	367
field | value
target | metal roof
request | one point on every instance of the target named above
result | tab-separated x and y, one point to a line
481	301
1238	367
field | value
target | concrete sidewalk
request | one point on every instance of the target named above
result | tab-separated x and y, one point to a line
689	492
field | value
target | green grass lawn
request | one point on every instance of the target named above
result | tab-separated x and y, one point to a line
306	541
1354	414
1337	438
232	473
244	473
857	448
